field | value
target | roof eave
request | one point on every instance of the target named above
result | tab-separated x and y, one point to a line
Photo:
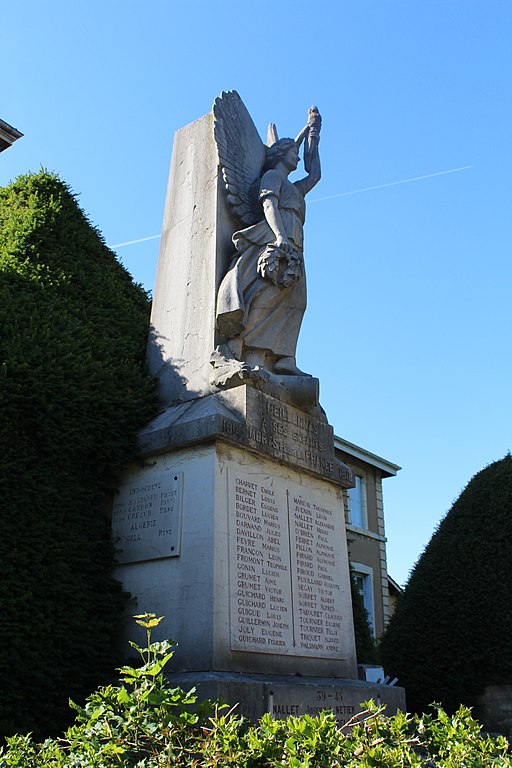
388	468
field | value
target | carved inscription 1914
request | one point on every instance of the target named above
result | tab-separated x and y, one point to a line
285	433
286	573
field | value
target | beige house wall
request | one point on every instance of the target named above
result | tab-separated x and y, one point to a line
367	543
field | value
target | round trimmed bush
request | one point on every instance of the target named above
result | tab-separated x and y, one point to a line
73	393
451	634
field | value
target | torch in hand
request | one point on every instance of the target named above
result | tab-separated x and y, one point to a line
313	136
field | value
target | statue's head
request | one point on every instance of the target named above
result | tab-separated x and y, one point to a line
278	151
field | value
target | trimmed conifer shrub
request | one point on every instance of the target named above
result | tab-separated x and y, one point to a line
451	634
73	392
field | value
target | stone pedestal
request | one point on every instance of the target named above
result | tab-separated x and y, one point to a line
494	709
282	695
243	553
232	527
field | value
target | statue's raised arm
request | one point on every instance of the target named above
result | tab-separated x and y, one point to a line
311	154
262	297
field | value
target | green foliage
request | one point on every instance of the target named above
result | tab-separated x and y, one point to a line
145	722
451	634
141	721
366	651
73	392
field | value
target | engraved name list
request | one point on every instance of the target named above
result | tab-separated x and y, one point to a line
285	568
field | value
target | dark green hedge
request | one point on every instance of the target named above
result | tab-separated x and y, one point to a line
451	634
73	392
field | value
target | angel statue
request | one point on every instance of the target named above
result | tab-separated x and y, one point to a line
262	297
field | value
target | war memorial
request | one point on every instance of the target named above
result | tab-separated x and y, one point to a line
230	523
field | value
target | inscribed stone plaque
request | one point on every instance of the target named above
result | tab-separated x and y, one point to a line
244	416
146	518
343	700
286	547
284	433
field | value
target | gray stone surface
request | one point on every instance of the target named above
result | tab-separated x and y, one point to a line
208	593
194	253
283	696
249	418
494	709
146	518
180	588
288	569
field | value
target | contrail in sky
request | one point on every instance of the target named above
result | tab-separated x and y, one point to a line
390	184
132	242
332	197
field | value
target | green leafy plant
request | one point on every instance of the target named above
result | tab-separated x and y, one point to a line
369	740
146	722
143	718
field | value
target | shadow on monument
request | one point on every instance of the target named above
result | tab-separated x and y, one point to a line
173	387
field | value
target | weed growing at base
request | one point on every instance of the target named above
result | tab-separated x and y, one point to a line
145	722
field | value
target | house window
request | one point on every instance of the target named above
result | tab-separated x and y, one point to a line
357	503
364	580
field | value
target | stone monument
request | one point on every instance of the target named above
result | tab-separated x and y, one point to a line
231	523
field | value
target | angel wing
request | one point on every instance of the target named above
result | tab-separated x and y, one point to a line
241	155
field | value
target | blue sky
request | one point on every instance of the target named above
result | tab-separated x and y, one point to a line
408	321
